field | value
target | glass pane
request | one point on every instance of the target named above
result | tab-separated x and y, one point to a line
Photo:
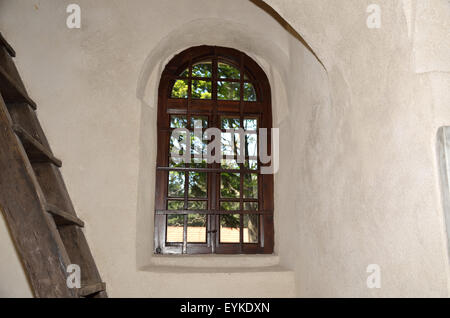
228	71
230	144
251	164
176	162
197	185
230	228
251	186
198	205
199	122
176	184
175	205
229	164
180	89
249	92
178	122
250	228
230	123
250	124
201	89
228	90
198	163
230	206
230	185
185	73
177	145
196	228
175	224
250	206
251	145
202	69
198	145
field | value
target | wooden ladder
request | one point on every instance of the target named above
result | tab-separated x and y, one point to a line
34	199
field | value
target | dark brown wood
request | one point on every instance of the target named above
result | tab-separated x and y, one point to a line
90	290
11	85
213	109
35	150
21	203
6	45
34	198
62	217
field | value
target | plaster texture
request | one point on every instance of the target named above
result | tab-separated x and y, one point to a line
358	182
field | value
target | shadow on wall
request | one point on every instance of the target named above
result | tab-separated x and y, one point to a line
269	10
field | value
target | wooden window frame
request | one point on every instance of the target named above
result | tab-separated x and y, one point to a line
213	108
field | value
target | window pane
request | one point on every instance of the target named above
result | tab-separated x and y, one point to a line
251	145
229	206
176	162
196	228
230	184
230	228
175	205
251	186
229	164
201	89
249	92
178	122
230	144
202	69
250	206
228	90
199	122
198	145
185	73
175	224
250	228
228	71
230	123
198	163
176	184
198	205
180	89
250	124
251	164
197	185
177	145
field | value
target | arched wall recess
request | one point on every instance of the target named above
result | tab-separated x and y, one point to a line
273	58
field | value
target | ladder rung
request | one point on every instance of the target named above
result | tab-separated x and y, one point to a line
91	289
8	47
11	91
62	217
34	149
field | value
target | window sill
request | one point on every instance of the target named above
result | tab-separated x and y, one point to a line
213	263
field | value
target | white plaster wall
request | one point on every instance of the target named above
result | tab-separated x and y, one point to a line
96	90
360	185
367	186
13	281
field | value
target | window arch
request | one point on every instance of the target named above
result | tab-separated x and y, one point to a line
225	206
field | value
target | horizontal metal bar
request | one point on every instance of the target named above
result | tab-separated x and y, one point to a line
206	199
210	212
181	169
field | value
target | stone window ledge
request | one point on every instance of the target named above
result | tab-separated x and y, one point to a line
213	263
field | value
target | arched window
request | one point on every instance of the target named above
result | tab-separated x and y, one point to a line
223	206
